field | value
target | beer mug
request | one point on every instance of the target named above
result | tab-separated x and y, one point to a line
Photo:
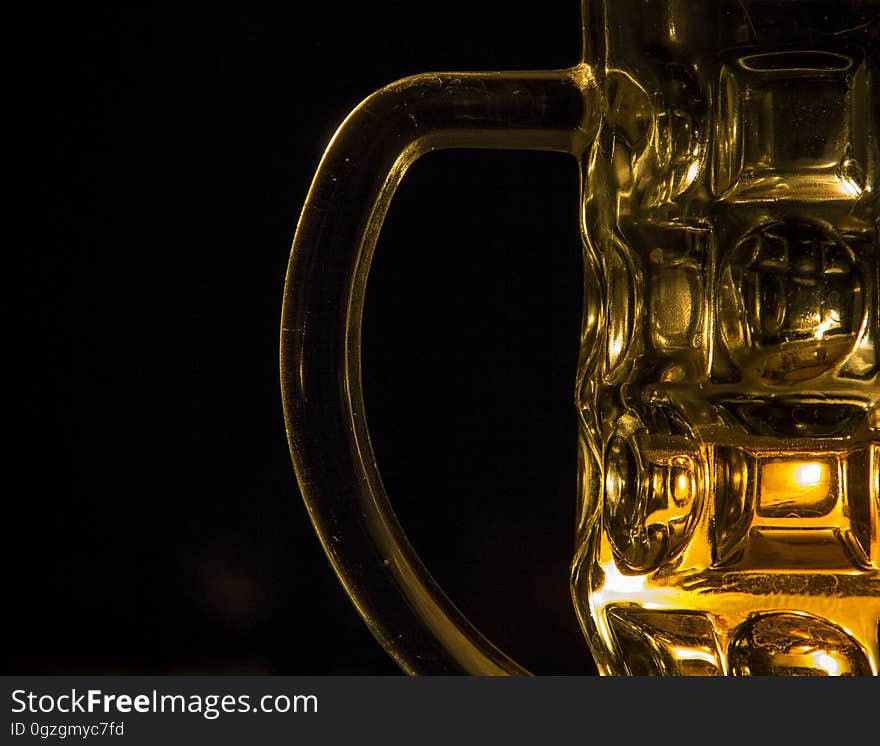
727	386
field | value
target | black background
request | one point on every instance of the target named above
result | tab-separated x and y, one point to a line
158	527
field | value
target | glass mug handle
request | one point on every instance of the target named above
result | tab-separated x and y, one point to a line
321	334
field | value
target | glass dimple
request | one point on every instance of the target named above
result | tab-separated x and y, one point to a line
795	645
789	301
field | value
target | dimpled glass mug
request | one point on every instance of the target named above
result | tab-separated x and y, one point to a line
727	387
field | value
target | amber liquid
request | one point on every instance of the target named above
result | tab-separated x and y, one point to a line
729	390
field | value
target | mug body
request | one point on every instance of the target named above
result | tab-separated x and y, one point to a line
728	391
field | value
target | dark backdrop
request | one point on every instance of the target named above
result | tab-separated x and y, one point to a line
158	528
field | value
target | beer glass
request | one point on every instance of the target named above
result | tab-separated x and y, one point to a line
727	387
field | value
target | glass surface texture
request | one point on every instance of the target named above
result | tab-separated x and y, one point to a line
729	396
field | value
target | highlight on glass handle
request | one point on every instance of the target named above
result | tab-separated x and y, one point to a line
321	334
